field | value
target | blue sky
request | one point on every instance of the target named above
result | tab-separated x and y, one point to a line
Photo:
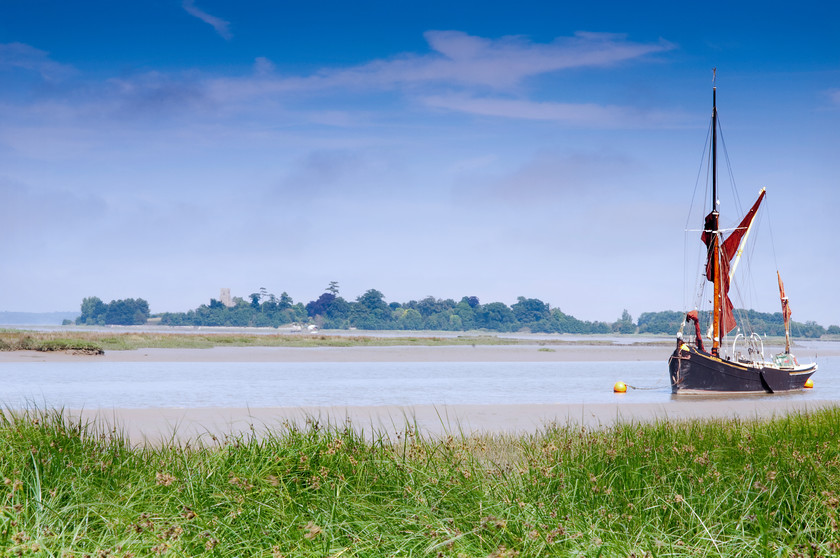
166	149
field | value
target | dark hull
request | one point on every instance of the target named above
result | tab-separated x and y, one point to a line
693	372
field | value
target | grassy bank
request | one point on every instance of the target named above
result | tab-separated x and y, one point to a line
28	341
720	488
12	340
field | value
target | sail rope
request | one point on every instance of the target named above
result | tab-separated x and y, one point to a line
688	239
738	208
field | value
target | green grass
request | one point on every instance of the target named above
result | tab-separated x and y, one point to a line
21	341
11	340
700	488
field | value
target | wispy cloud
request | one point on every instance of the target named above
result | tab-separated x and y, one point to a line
573	114
19	55
457	59
460	73
220	25
834	95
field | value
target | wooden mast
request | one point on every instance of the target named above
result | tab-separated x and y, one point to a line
717	315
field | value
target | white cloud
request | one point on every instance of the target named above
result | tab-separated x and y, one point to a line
19	55
457	59
220	25
461	72
575	114
834	95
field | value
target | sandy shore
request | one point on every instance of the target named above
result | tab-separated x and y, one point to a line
571	352
446	353
206	424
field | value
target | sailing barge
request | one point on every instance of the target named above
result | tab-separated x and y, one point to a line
744	369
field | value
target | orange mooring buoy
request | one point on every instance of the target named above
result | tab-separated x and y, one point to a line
620	387
809	383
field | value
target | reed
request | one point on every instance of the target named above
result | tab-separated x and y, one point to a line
710	488
11	340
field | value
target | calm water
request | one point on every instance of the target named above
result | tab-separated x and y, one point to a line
75	385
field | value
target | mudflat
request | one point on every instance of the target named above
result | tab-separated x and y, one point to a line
209	424
445	353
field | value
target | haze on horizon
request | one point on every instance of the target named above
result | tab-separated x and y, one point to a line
164	150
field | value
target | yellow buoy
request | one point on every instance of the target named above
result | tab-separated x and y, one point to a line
809	383
620	387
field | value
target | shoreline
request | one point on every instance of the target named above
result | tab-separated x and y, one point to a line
399	353
210	424
535	352
159	425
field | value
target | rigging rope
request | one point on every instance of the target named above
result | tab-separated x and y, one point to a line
648	388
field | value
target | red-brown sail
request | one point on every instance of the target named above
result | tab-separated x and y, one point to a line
785	311
727	249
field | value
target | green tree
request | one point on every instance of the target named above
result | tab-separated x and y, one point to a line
371	311
466	315
410	319
496	316
319	307
93	311
624	324
127	311
530	310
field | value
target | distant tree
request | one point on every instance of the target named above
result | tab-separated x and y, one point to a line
337	314
285	301
332	288
810	329
661	322
624	324
93	311
496	316
472	301
128	311
430	306
833	330
371	311
465	314
319	307
255	300
410	319
530	310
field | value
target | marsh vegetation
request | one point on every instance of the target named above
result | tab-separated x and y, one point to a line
699	488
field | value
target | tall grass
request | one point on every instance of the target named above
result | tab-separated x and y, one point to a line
11	340
700	488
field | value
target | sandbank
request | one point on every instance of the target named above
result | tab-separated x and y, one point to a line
444	353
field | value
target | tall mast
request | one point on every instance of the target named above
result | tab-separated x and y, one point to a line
714	142
717	314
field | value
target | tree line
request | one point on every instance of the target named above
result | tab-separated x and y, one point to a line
370	311
128	311
769	323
